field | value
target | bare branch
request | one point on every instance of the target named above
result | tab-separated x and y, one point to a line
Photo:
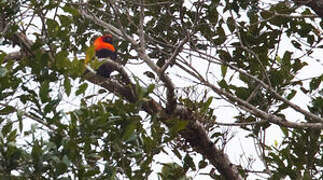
172	59
271	90
141	26
241	124
259	113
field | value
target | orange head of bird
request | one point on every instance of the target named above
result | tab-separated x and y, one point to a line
104	47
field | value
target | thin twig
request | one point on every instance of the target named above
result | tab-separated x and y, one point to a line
241	124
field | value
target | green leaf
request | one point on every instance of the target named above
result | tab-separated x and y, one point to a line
6	129
287	58
315	83
150	74
12	135
149	89
177	153
67	86
62	62
206	105
7	110
266	14
231	24
202	46
77	68
70	9
278	59
148	143
51	106
189	163
310	39
298	65
276	78
65	20
81	89
222	37
224	55
284	130
291	95
66	161
177	126
44	92
224	69
223	84
89	54
296	44
202	164
242	93
2	55
53	26
129	130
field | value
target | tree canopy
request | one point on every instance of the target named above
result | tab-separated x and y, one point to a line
189	75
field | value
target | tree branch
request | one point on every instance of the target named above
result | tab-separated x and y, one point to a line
271	90
194	133
259	113
171	98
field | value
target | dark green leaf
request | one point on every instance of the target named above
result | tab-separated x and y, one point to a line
223	84
150	74
189	163
315	83
297	45
177	153
6	129
67	86
7	110
291	95
129	130
177	126
202	164
231	24
81	89
12	136
206	105
224	69
69	9
224	55
44	92
150	88
65	20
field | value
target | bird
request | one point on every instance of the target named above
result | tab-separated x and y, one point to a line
104	48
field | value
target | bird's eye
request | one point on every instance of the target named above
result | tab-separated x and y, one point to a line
107	39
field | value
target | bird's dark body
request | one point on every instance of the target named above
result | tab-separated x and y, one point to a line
104	53
105	49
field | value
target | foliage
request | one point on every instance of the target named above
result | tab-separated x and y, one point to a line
230	49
